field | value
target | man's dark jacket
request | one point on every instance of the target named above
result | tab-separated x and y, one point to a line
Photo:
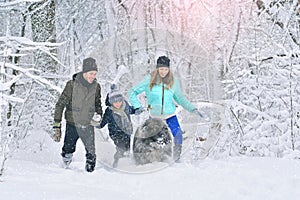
81	100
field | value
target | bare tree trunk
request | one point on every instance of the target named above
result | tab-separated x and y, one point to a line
44	30
291	110
15	60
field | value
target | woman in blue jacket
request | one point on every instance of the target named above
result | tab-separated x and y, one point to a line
162	91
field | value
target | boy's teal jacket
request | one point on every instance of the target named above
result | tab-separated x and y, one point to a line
154	97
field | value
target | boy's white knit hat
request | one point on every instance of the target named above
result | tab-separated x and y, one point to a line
115	95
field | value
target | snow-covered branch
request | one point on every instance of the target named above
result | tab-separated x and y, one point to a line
16	2
27	41
36	78
240	105
12	99
6	86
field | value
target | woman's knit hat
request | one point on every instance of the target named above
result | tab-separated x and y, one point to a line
163	61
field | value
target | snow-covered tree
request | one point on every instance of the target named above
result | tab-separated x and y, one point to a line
242	55
18	77
262	82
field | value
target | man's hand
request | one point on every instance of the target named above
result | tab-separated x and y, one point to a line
96	120
56	132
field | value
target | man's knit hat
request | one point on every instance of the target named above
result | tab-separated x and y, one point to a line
89	64
163	61
115	95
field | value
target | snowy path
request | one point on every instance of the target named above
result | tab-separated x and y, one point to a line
234	178
36	175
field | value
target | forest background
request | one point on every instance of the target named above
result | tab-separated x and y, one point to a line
242	55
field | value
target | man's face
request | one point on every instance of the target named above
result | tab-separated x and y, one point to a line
90	76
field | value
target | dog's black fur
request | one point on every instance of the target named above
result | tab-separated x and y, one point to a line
152	142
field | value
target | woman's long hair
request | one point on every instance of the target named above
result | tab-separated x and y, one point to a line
157	79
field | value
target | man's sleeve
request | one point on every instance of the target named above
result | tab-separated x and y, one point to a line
63	100
98	105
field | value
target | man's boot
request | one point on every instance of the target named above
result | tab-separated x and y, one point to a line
67	159
90	162
176	152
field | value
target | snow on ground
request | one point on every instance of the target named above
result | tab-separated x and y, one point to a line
39	176
34	175
234	178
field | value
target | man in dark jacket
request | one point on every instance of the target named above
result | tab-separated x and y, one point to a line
81	99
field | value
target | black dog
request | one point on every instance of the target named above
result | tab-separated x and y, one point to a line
152	142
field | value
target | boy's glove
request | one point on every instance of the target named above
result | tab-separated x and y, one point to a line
98	126
56	132
139	110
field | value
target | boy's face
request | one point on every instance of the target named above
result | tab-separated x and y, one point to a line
117	104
